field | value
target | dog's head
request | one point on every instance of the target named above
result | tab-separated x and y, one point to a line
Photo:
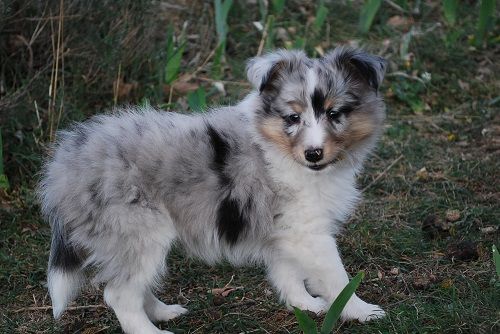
319	111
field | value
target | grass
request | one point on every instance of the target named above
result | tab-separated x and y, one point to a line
431	277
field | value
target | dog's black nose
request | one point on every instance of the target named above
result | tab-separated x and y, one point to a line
314	155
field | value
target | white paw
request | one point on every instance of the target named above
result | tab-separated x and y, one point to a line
357	309
169	312
314	304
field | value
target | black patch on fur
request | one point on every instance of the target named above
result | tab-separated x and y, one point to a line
318	103
365	66
268	84
231	220
367	69
221	149
62	254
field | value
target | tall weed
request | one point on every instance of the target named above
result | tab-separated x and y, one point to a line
367	15
308	326
486	20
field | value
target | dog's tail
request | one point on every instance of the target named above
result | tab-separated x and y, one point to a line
65	276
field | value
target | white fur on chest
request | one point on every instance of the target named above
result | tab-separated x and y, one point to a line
312	201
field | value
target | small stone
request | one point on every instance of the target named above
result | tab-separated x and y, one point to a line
422	174
452	215
282	34
489	229
394	271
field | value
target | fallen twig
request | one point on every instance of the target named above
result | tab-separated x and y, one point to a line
44	308
383	173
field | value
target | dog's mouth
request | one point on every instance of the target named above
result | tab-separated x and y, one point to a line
318	167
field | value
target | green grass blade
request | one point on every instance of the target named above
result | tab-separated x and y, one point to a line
450	8
173	65
338	305
299	43
197	100
269	45
4	183
278	6
486	13
368	12
263	11
321	14
496	259
306	324
217	62
174	57
221	13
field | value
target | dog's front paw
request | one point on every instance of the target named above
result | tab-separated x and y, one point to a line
314	304
172	311
357	309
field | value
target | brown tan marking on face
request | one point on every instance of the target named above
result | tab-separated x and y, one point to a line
329	103
332	148
361	126
271	128
297	106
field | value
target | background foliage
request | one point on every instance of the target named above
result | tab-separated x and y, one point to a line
424	232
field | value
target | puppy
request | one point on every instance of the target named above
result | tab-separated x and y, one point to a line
267	181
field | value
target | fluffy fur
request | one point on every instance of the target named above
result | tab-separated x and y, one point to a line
268	181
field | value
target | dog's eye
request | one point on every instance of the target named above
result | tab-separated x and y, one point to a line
335	114
292	119
332	113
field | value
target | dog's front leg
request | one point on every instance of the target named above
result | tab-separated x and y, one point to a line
327	277
288	278
313	261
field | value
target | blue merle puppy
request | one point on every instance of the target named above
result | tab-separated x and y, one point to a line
269	180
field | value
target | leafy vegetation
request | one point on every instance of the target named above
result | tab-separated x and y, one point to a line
308	326
424	233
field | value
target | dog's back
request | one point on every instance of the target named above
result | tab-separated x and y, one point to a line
120	183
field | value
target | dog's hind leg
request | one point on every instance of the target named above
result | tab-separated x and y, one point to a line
127	300
159	311
137	263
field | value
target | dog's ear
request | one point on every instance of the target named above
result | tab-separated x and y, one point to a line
358	64
266	72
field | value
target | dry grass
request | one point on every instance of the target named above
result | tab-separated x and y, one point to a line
65	63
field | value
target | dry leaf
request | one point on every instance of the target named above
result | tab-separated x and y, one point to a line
184	87
224	292
398	21
452	215
123	89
